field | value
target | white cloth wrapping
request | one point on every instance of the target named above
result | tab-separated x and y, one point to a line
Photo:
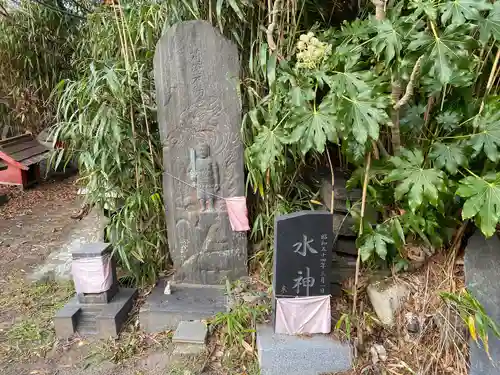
92	275
301	315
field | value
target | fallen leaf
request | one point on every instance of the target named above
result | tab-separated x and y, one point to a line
247	346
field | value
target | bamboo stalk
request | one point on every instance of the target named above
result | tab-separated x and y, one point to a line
491	81
332	201
362	214
273	16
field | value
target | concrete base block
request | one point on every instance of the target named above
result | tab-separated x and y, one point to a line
66	320
191	333
102	320
104	297
162	312
300	355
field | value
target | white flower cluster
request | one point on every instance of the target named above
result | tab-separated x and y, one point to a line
311	51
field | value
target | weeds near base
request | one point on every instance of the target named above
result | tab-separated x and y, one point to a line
238	323
345	322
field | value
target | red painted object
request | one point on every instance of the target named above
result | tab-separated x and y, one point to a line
22	155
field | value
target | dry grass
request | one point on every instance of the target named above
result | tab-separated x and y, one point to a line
30	309
438	346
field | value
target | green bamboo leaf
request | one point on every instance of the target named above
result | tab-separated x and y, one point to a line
112	81
263	58
237	10
59	158
271	69
218	12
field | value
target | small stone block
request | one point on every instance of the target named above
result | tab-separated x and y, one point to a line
191	333
65	320
92	250
104	297
162	312
300	355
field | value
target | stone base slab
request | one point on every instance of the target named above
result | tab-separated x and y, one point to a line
162	312
102	320
194	332
482	275
280	354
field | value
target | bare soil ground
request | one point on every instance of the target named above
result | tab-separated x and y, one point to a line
32	224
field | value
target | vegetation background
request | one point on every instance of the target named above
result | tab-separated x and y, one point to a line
401	93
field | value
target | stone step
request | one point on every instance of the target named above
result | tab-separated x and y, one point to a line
343	224
339	275
87	322
341	193
345	245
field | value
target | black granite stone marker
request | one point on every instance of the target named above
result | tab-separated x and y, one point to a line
303	244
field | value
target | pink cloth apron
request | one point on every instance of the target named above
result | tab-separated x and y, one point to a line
238	213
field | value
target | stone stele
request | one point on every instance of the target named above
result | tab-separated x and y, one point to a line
199	112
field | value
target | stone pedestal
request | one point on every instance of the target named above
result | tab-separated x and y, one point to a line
163	312
300	355
102	314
